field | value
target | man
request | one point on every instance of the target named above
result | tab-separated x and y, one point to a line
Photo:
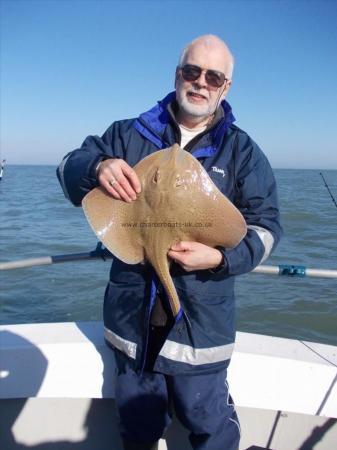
162	362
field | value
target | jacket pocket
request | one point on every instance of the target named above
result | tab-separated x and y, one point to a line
205	285
204	297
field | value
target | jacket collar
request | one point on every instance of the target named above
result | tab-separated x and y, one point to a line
152	123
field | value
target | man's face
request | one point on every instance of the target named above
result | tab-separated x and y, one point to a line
197	99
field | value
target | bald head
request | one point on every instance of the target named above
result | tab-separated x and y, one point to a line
212	44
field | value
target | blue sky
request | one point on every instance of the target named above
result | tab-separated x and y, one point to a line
70	68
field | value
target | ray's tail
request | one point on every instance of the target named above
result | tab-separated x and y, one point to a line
163	271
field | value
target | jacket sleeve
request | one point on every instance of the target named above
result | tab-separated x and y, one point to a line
256	198
77	171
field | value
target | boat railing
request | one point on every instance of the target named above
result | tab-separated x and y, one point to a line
101	253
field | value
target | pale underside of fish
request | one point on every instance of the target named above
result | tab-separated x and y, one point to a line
178	202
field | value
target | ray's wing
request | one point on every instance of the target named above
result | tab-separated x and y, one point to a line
213	218
217	220
113	222
117	223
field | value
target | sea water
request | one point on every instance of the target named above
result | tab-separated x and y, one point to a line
36	220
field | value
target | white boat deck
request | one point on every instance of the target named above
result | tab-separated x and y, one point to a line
56	380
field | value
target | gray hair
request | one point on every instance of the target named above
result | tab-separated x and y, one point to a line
208	40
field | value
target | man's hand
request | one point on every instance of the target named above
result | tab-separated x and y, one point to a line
195	256
119	179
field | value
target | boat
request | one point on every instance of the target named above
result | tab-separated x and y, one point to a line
57	391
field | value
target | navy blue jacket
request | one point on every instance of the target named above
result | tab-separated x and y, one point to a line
203	338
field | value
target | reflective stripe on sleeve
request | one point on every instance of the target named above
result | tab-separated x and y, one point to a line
266	238
61	172
125	346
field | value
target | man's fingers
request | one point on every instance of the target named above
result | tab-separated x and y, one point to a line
123	193
182	246
180	258
132	177
117	177
129	181
114	187
107	186
124	188
177	256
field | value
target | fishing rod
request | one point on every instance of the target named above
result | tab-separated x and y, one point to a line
289	270
326	185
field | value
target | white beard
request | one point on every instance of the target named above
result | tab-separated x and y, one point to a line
193	110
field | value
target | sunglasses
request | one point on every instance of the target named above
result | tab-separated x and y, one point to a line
213	77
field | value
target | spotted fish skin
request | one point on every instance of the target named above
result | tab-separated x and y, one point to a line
177	193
